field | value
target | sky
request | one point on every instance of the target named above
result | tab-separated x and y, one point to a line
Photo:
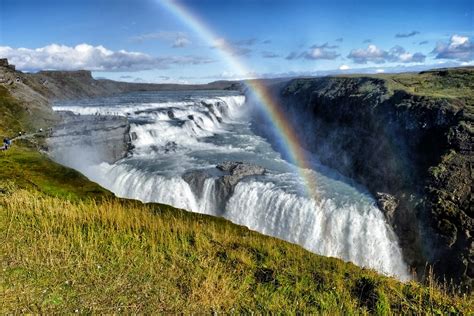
145	41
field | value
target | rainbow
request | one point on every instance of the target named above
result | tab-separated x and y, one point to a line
291	143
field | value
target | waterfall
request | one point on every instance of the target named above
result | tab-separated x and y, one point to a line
179	141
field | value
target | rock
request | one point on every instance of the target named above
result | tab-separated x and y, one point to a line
240	169
210	107
236	171
89	138
171	147
196	180
388	204
233	172
448	231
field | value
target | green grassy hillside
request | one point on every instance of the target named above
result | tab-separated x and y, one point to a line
441	83
67	245
13	117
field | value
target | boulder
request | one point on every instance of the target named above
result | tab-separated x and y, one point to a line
232	173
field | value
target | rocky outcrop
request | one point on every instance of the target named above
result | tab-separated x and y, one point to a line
413	151
231	172
234	171
196	179
388	204
36	107
89	138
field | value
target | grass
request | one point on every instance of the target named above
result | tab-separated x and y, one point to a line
457	83
112	255
451	84
13	117
30	169
16	116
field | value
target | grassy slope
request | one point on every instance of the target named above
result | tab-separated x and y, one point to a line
32	170
453	83
13	116
67	245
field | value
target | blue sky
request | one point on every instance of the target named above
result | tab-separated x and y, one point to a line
141	40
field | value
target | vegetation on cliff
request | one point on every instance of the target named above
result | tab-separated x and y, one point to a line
13	117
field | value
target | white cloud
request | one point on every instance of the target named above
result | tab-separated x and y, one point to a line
220	43
344	67
406	57
459	48
308	73
85	56
379	56
317	53
181	42
372	54
324	51
321	53
224	75
457	40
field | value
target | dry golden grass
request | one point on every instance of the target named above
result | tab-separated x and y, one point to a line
114	255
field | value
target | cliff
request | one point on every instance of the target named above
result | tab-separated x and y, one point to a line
89	139
64	85
409	139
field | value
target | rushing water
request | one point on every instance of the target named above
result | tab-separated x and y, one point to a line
174	133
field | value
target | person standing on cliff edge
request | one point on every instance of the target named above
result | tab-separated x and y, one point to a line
6	143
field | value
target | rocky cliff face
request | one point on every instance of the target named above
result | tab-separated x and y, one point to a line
229	175
67	85
35	105
412	150
89	139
